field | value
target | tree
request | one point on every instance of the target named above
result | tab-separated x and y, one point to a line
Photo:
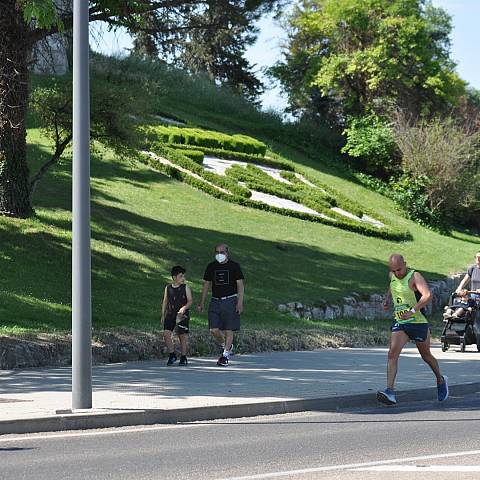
24	22
355	57
215	44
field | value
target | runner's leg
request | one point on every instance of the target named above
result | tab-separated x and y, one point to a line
397	341
428	358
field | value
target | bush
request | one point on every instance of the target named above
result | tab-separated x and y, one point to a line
207	139
242	157
371	139
176	157
388	233
440	161
410	193
196	155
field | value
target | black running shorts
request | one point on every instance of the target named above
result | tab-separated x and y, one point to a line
170	324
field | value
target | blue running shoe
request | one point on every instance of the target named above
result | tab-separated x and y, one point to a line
442	389
387	397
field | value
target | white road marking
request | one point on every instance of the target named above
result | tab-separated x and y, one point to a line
352	466
90	433
419	468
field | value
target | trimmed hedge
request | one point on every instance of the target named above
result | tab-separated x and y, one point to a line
241	157
196	155
345	224
320	199
183	161
207	138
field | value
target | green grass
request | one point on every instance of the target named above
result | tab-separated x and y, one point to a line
143	223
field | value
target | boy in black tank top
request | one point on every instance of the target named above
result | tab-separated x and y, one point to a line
177	299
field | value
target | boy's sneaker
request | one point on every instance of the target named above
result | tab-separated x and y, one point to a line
222	361
442	389
172	358
387	397
183	360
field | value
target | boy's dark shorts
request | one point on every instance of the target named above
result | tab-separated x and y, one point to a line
170	323
417	332
222	314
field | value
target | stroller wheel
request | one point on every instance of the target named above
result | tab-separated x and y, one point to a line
446	346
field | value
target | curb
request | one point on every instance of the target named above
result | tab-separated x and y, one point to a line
83	421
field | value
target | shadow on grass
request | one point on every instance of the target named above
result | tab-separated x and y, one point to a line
133	253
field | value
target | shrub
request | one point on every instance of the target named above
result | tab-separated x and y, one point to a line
242	157
371	139
443	156
410	193
208	139
175	156
195	155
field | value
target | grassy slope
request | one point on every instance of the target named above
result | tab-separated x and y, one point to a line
143	222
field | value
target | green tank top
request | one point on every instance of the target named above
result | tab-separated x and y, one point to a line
404	299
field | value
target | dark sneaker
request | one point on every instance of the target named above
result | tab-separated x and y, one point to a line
183	360
387	397
172	358
442	389
222	361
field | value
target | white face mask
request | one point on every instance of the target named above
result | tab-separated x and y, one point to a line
220	257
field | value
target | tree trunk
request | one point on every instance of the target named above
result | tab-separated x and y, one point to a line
14	186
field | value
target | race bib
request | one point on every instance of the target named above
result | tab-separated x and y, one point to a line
400	310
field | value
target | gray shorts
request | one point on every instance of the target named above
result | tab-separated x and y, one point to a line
222	314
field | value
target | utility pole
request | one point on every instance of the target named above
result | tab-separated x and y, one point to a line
81	257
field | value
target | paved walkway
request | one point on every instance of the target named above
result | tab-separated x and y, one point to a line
250	379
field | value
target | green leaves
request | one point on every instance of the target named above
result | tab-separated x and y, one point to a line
42	12
363	54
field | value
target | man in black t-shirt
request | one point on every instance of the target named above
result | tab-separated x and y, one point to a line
227	281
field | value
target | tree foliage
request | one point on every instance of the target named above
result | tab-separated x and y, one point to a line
351	57
214	41
24	22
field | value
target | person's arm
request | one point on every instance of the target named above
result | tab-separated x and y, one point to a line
164	305
205	289
240	293
185	307
387	302
464	281
421	285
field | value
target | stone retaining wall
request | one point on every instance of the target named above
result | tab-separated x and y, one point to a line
367	307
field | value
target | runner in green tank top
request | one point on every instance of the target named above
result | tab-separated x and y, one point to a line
404	299
408	293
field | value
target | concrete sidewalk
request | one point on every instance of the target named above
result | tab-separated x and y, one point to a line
137	393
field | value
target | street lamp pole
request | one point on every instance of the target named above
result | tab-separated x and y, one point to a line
81	258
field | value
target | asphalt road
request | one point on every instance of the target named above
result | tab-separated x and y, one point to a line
439	441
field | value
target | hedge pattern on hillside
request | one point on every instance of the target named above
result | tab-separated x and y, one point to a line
227	188
206	138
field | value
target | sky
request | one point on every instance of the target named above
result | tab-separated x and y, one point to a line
266	51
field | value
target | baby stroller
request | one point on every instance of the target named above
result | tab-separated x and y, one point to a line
461	330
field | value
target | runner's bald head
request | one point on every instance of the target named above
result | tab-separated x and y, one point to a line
397	265
396	258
